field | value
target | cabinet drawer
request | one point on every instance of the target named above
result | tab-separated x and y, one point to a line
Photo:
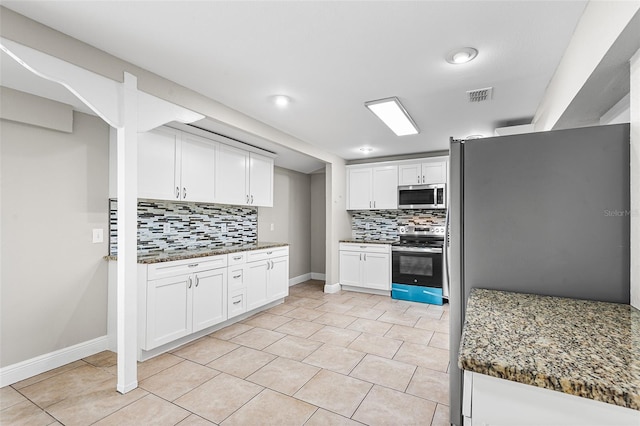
236	278
366	248
237	258
237	303
187	266
253	256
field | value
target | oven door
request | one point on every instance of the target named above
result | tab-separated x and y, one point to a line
417	267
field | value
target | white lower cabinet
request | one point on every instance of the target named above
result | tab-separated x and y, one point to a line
267	276
366	266
178	303
491	401
182	297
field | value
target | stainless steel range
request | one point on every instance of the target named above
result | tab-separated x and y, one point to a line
417	264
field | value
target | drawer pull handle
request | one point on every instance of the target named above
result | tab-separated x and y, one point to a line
237	258
192	265
235	277
238	301
401	290
269	252
363	246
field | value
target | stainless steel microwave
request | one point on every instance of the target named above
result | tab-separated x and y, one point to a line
422	196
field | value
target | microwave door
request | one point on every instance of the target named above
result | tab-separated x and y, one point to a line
416	197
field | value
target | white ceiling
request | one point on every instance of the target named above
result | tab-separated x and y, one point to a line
332	56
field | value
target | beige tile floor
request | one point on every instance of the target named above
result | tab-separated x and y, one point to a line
318	359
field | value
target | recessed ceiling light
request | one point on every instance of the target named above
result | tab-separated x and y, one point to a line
281	100
461	56
366	149
393	114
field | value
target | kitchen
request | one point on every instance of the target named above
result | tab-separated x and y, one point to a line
337	220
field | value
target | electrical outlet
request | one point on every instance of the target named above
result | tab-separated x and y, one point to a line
98	235
272	227
223	228
166	228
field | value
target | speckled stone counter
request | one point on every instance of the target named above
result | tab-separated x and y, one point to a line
369	241
168	256
584	348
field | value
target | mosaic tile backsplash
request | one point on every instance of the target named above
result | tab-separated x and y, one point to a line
383	224
189	225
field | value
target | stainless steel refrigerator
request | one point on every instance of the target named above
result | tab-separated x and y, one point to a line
545	213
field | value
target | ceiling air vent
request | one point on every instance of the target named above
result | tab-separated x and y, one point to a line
480	95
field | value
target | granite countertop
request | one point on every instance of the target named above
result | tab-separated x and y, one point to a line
580	347
171	255
366	241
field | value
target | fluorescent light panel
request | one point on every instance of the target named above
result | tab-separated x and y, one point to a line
393	114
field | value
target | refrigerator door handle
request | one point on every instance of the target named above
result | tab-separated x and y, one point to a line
445	254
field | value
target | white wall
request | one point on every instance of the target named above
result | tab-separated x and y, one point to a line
318	223
53	279
290	217
599	27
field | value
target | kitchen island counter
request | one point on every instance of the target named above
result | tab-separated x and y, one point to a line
579	347
213	250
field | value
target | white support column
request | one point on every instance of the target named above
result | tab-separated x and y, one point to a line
127	286
635	178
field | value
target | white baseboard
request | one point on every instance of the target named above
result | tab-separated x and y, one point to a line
40	364
332	288
318	276
299	279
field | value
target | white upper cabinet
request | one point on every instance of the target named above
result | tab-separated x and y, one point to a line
260	180
232	176
179	166
423	172
243	178
385	187
372	188
157	158
173	165
197	171
359	183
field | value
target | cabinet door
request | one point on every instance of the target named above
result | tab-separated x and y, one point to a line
410	174
278	284
169	307
232	176
209	298
350	262
359	181
255	276
435	172
385	187
198	169
157	156
260	180
375	271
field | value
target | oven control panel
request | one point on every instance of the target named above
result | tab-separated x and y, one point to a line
421	230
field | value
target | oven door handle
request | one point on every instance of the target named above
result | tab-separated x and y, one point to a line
416	250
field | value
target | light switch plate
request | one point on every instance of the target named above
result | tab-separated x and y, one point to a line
98	235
